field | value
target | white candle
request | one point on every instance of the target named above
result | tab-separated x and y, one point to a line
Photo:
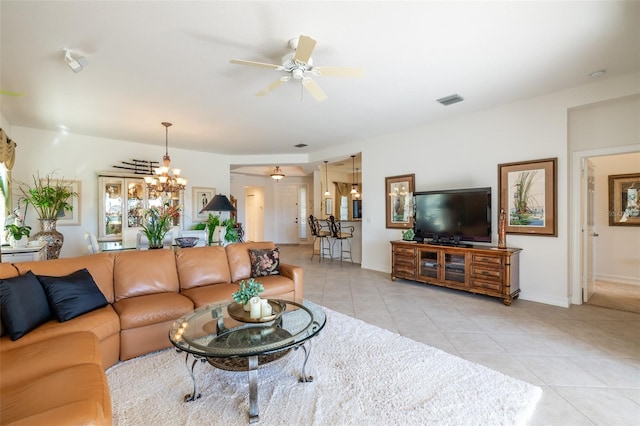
266	308
256	306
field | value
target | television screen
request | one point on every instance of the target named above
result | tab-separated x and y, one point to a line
453	215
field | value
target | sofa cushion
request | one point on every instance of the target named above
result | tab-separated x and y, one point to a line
103	322
141	272
210	294
264	262
48	355
23	304
200	266
151	309
99	265
81	382
238	256
72	295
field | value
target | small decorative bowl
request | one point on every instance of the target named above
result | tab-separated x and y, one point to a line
184	242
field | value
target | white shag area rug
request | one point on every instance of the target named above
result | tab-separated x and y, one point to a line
363	375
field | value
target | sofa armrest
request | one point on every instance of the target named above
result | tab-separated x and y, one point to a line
295	273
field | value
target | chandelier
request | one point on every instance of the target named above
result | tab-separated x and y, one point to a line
162	181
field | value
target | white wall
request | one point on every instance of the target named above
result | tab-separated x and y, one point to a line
80	157
617	247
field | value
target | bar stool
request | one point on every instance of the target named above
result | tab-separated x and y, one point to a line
342	234
318	233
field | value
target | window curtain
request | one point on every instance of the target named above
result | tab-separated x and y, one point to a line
342	189
7	150
8	159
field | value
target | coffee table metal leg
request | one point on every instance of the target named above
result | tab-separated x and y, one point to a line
304	378
195	395
253	389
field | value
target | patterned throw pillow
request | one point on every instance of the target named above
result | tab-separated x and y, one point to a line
264	262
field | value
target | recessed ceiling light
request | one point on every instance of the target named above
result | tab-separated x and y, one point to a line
597	74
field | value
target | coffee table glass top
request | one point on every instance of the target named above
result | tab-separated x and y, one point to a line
211	332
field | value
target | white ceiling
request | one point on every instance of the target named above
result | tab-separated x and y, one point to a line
169	61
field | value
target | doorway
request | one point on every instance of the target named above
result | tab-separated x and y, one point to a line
593	241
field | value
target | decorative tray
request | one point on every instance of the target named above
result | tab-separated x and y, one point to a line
237	312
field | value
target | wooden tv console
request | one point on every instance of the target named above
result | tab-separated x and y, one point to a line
477	269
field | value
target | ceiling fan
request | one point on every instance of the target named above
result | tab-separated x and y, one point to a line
298	65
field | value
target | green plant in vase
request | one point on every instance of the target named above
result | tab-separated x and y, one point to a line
157	222
408	235
248	289
50	197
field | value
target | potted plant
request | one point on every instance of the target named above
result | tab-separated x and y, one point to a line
18	235
157	222
50	197
226	228
248	289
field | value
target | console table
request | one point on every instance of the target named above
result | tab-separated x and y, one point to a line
23	254
476	269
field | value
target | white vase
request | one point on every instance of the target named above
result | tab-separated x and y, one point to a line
22	242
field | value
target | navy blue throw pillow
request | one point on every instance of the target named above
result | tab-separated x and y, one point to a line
72	295
23	304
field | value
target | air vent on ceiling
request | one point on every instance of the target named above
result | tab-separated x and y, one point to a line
300	145
451	99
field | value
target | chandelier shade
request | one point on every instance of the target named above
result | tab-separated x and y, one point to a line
162	181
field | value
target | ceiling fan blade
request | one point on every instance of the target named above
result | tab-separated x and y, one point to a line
305	48
338	71
256	64
313	88
272	86
9	93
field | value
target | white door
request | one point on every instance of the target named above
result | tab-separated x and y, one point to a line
588	231
287	213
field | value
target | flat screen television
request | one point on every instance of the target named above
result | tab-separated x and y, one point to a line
451	216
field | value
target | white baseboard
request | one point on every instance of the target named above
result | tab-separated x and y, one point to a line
618	279
563	302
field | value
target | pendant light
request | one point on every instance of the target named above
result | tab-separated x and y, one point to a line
277	173
326	178
357	180
354	187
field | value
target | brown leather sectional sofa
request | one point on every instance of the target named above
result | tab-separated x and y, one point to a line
56	372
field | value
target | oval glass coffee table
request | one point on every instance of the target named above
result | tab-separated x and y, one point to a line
228	339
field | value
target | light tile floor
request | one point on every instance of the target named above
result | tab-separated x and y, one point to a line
585	358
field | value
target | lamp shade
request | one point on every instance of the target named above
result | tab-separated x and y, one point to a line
219	203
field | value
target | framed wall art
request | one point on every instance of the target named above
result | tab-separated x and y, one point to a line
527	191
328	206
201	197
399	203
71	217
624	209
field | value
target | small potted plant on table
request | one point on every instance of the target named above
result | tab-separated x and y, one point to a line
18	235
248	289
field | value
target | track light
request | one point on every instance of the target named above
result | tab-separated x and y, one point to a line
76	65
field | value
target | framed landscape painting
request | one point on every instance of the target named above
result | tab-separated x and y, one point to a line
624	207
528	195
399	201
71	217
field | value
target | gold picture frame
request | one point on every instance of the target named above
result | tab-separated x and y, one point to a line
527	191
399	201
624	206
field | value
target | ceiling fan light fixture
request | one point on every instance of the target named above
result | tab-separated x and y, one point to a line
277	174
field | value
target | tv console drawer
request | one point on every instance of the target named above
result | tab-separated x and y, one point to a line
487	273
483	258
